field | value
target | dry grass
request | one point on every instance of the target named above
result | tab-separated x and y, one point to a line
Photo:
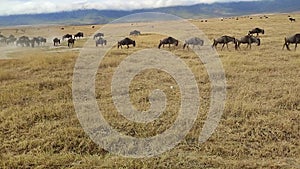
259	128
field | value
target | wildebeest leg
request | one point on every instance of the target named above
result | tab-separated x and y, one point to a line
249	44
287	46
223	46
296	45
127	46
237	45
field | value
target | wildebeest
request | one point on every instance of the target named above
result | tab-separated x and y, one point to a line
292	19
169	40
39	40
193	41
2	39
101	41
78	35
42	40
67	36
248	39
71	42
11	39
126	42
98	35
257	31
223	40
295	39
56	41
135	32
23	41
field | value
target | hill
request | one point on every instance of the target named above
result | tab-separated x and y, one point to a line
92	16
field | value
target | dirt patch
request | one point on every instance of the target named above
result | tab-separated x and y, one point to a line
7	50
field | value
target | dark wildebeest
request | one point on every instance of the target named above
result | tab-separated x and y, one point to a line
127	42
67	36
248	39
257	31
135	32
193	41
78	35
295	39
98	35
223	40
71	42
292	19
168	40
101	41
56	41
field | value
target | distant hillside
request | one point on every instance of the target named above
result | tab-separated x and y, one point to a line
92	16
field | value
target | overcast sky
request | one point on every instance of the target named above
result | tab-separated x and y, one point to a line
8	7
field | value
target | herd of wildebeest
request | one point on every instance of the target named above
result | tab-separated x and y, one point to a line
249	39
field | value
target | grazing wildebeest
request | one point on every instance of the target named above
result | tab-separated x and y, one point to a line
257	31
193	41
2	39
135	32
11	39
295	39
42	40
248	39
168	40
56	41
292	19
101	41
223	40
71	42
78	35
39	40
24	41
67	36
98	35
127	42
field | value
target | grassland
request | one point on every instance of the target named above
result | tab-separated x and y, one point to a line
259	127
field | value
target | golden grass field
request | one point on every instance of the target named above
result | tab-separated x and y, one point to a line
259	127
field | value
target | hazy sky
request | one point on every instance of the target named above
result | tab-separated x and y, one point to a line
8	7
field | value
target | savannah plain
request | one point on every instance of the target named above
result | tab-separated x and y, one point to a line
259	127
